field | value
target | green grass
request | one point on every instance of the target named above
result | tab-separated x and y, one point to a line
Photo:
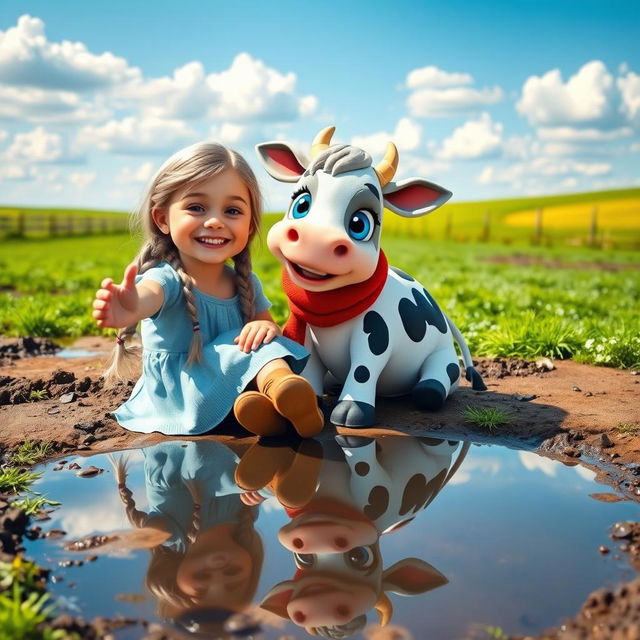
582	306
30	452
34	504
16	480
39	394
632	429
486	417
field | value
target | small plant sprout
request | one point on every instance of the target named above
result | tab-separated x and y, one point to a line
30	452
486	417
14	480
632	429
34	504
37	394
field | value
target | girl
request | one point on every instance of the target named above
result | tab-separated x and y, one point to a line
208	563
206	329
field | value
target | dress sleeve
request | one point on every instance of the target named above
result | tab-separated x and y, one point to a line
165	275
262	303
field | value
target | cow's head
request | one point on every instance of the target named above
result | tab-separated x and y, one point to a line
330	235
337	590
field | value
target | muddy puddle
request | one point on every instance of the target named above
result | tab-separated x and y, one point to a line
329	538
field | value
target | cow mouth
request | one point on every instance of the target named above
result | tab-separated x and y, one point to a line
310	274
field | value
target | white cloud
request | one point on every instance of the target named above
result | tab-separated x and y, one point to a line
134	135
534	462
81	179
17	172
251	91
140	175
434	103
232	134
3	135
629	87
27	58
36	146
474	139
406	137
436	78
571	134
587	98
475	467
525	173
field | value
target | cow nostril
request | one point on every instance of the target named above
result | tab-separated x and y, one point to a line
293	235
297	543
341	250
299	617
341	543
343	611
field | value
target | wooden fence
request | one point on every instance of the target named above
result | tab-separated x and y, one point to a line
22	225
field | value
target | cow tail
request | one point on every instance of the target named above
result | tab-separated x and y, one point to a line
477	383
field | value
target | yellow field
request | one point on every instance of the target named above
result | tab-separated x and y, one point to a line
612	215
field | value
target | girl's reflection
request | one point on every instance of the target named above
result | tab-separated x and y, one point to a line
209	562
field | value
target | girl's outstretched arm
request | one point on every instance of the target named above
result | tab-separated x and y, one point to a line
254	333
124	304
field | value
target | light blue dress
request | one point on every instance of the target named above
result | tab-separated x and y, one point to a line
176	399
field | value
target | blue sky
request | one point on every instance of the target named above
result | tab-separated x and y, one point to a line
491	99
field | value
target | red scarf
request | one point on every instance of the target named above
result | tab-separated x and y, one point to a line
329	308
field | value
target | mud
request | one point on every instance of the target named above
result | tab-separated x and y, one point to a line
578	414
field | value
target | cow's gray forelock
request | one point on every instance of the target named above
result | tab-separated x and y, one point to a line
340	158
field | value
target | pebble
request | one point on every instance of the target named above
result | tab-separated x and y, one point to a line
89	472
66	398
55	533
605	441
74	465
525	398
588	394
603	550
621	530
53	410
574	388
572	452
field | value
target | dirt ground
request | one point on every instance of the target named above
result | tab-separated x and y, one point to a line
578	414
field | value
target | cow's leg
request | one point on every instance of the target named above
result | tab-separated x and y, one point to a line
439	376
314	371
356	405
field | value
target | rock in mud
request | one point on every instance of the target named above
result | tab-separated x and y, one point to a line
622	530
89	472
67	398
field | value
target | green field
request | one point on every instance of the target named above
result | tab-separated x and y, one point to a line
558	302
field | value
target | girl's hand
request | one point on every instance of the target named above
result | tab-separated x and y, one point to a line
255	333
251	498
115	304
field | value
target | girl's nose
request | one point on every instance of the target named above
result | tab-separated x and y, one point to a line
213	222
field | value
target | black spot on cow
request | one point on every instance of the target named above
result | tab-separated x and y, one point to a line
402	274
375	325
361	374
416	316
378	502
430	442
453	371
362	468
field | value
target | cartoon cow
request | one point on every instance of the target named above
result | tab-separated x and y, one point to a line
365	488
374	328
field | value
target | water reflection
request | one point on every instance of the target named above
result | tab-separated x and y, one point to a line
208	562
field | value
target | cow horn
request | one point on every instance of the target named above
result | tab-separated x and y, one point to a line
387	167
384	609
321	141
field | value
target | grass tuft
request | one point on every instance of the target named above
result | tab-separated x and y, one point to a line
30	452
16	480
633	429
487	417
34	504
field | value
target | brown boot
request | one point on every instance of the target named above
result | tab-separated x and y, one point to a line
294	398
255	412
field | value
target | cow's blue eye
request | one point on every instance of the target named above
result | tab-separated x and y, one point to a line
361	225
301	205
360	557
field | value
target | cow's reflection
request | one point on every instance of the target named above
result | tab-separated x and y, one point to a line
341	497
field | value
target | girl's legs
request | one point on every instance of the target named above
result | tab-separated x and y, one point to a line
292	397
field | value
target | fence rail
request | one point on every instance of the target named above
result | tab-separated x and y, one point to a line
22	225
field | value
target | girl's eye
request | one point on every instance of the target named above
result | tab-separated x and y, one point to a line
361	225
233	211
304	560
359	557
301	205
196	208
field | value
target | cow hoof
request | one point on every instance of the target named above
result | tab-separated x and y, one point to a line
352	442
352	413
429	395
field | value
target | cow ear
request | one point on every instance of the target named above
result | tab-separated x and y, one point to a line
412	576
414	197
280	161
277	599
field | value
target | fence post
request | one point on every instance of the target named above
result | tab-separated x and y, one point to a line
593	227
448	226
486	226
537	237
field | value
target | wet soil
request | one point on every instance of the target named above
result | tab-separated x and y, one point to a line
579	414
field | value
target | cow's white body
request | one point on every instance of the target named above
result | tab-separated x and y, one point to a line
342	348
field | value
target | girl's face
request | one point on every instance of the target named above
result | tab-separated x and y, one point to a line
217	573
209	222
